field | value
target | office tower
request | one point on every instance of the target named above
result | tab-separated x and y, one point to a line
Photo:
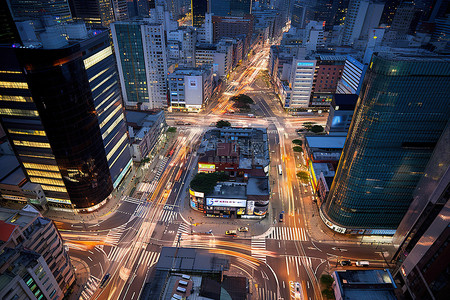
33	260
120	10
400	24
141	59
95	13
62	112
352	77
422	258
235	8
198	9
22	10
232	27
327	74
325	10
9	34
302	76
362	16
190	88
401	113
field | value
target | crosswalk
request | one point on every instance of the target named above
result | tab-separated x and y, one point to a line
132	200
264	294
184	229
115	253
259	249
272	131
114	235
288	234
148	258
141	209
168	216
90	288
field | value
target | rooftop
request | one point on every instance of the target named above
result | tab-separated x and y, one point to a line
258	186
344	101
6	230
333	142
229	190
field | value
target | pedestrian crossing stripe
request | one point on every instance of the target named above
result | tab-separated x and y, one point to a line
169	216
115	234
266	294
148	258
132	200
287	233
258	249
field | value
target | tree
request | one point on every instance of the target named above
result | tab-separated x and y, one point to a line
172	129
297	142
223	123
317	129
303	176
327	283
205	182
297	149
308	125
241	98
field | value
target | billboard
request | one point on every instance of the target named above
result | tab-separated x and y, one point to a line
196	194
206	168
226	202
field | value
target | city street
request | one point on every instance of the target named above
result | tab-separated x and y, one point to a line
273	255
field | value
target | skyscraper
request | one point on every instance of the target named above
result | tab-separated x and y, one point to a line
99	13
401	113
235	8
141	58
22	10
198	9
61	108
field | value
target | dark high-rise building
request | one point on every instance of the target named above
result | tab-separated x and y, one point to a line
231	27
62	112
99	13
22	10
235	8
9	34
401	113
423	256
198	9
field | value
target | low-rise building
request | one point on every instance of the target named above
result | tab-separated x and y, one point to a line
341	113
328	72
45	260
324	149
220	56
146	130
190	88
363	284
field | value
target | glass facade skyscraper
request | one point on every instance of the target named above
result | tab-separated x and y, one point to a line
198	9
62	112
234	8
401	113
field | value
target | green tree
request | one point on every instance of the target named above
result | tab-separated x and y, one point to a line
297	142
326	280
205	182
317	129
303	176
297	149
223	123
241	98
308	125
172	129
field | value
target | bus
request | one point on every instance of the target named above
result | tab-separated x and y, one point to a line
280	170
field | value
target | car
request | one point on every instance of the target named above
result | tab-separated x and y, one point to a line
362	263
231	232
105	280
346	263
297	290
281	217
243	229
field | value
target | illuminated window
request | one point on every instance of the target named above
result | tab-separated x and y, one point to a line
15	98
43	174
47	181
41	167
98	74
111	128
119	143
27	132
89	62
106	120
31	144
53	188
46	156
19	112
11	72
13	85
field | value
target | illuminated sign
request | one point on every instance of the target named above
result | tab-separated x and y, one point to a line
226	202
59	200
305	64
206	168
196	194
250	207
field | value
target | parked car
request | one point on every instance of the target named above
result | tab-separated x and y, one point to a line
346	263
243	229
231	232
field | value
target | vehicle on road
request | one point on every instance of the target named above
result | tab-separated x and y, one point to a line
346	263
231	232
281	217
243	229
280	170
296	289
105	280
362	263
